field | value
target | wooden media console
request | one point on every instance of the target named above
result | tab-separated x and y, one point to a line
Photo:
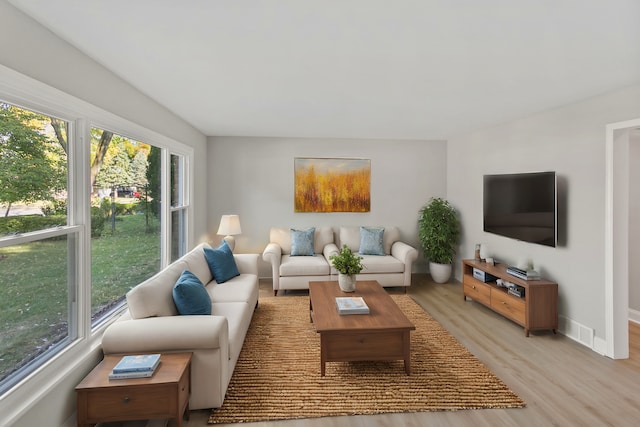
536	310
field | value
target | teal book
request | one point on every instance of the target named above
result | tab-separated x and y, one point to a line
137	363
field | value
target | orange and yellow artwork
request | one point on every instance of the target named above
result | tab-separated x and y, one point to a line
332	185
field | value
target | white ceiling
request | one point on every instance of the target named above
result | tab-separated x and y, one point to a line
421	69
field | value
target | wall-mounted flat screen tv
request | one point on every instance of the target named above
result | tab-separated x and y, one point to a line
522	206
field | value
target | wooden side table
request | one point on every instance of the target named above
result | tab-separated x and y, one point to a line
163	395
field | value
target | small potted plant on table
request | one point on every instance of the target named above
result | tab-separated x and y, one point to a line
348	265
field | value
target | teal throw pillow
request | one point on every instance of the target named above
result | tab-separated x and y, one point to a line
302	242
221	262
371	241
190	296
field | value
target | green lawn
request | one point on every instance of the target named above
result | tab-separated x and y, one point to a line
34	285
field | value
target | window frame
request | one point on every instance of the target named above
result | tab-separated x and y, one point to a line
25	92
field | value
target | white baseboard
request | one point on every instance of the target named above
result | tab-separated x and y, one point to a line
579	333
585	335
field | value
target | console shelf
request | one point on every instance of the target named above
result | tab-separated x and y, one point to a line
537	310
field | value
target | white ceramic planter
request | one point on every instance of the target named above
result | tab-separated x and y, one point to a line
440	273
347	282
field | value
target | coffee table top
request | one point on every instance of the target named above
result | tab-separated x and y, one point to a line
170	370
384	314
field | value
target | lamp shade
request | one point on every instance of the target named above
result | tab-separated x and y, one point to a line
229	225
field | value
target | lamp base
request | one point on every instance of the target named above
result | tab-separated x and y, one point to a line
231	241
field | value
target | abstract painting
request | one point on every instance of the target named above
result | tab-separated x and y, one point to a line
332	185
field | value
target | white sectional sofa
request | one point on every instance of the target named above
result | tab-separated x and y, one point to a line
153	324
391	268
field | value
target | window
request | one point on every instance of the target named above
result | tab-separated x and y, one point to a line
58	203
178	207
125	219
37	241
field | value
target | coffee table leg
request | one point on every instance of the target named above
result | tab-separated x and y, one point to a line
407	351
323	354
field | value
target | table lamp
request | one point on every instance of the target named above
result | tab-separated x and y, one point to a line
229	226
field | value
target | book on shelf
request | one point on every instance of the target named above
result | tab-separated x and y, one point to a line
132	374
351	305
137	363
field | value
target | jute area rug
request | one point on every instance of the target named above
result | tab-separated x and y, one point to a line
277	376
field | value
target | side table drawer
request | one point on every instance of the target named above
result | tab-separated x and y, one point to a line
131	403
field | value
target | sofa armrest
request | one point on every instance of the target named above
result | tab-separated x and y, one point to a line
273	255
330	249
247	263
405	253
166	334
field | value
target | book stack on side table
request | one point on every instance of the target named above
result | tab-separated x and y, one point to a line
135	366
351	305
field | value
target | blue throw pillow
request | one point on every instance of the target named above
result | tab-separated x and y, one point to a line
371	241
302	242
190	296
221	262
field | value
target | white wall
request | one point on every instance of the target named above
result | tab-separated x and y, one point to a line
34	51
31	50
571	141
634	223
253	177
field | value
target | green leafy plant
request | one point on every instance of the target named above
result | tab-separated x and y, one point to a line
438	231
346	262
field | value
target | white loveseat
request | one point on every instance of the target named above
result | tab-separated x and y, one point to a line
295	272
152	323
392	268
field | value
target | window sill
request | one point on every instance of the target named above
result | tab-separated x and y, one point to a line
52	386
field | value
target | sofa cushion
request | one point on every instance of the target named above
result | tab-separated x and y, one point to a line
391	235
221	262
190	296
371	241
303	266
197	263
242	288
350	236
282	236
153	297
381	264
302	242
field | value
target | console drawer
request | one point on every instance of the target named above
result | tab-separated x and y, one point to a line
509	306
477	290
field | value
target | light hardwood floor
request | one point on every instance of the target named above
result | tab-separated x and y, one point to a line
562	382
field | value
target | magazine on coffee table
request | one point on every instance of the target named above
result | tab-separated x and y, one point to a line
351	305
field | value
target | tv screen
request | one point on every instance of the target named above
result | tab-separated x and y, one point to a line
522	206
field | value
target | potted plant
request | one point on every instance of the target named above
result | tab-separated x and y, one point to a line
348	265
438	232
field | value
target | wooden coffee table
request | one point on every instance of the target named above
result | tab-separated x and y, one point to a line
383	334
163	395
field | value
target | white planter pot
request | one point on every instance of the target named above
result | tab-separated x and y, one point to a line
347	282
440	273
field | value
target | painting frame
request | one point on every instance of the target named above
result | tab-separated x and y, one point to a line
332	184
